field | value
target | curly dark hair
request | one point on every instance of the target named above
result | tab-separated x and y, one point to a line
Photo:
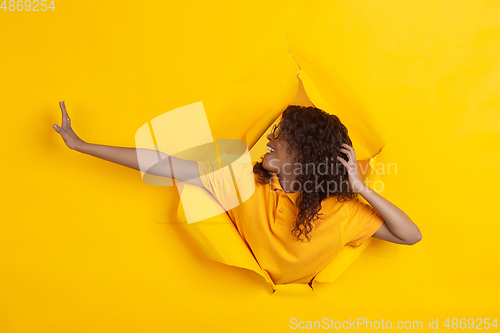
315	135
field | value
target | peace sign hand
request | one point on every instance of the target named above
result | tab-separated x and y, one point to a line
68	135
355	180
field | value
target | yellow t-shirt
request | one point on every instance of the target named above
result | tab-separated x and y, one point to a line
266	219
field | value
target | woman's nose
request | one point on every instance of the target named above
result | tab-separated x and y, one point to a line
270	137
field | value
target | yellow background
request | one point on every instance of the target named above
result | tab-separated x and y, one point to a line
86	245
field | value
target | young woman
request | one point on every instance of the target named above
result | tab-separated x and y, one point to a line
305	206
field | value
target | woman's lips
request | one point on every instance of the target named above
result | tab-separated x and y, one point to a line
267	154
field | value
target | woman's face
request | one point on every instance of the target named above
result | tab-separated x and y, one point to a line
278	161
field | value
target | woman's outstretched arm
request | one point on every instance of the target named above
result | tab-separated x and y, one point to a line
152	161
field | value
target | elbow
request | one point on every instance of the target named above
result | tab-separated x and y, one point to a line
416	239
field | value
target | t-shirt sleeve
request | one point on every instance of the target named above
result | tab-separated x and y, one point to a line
360	223
219	183
206	170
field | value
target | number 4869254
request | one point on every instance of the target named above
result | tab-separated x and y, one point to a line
26	5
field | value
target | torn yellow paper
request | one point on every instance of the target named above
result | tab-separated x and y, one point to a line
219	238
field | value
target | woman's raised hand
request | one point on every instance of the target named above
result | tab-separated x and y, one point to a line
355	180
68	135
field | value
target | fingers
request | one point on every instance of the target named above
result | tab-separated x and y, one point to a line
342	161
349	151
65	122
65	118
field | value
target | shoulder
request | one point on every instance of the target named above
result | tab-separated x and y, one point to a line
332	207
344	208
